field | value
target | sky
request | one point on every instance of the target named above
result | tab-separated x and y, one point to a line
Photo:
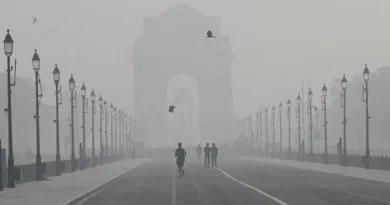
278	44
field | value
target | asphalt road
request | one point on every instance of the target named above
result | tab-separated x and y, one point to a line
238	182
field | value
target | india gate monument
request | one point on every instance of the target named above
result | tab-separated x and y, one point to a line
174	44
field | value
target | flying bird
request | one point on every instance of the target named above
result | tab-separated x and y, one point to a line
171	108
34	20
210	34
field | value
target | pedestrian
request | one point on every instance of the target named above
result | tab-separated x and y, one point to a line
180	155
214	155
199	151
207	151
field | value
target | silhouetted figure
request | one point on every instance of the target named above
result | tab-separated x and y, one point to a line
214	155
180	155
199	151
207	151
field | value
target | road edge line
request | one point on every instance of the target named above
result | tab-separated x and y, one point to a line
254	188
91	193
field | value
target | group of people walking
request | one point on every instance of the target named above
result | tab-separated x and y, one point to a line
209	152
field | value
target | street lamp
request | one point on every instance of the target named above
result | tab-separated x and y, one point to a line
261	130
112	130
101	129
289	125
71	88
310	96
273	129
250	131
92	96
56	78
83	155
266	131
344	105
116	131
280	129
257	129
298	111
8	49
36	62
323	102
119	130
366	78
106	124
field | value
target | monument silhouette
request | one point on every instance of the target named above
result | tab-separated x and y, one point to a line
176	43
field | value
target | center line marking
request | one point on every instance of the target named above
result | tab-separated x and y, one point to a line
173	186
254	188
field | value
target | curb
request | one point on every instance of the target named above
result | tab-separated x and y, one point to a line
93	191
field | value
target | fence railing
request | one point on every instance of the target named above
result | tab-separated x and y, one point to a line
377	162
27	173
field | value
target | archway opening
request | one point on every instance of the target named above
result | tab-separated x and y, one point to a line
183	125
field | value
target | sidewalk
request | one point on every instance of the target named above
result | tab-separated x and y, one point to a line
64	189
370	174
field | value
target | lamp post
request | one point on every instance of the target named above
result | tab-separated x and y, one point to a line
289	125
119	134
123	132
36	62
366	78
56	78
280	129
125	141
116	131
84	103
323	102
106	125
101	129
92	96
8	49
273	129
71	88
257	129
250	130
310	96
266	131
112	129
344	105
130	133
299	125
261	130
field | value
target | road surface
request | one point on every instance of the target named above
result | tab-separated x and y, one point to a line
238	182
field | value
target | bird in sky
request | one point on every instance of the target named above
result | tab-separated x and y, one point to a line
171	108
34	20
210	34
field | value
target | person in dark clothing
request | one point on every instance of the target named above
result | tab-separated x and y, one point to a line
180	155
199	151
207	151
214	155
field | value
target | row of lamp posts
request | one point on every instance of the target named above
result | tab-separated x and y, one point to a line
121	116
343	147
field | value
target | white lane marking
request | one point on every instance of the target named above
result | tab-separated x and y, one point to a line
339	190
173	185
254	188
106	186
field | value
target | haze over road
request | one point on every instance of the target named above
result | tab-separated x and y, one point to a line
239	182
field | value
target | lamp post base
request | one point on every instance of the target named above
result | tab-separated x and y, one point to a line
38	168
11	180
58	165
